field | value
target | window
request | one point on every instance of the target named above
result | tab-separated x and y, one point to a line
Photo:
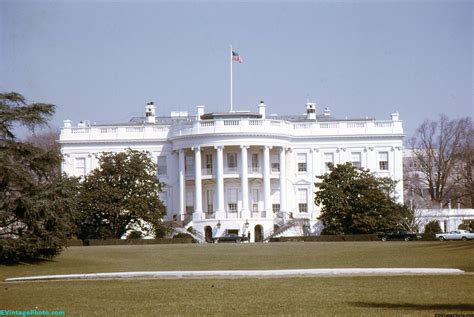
232	162
232	199
355	159
328	159
275	162
276	208
276	200
209	164
254	163
162	166
383	161
302	200
189	165
164	198
210	201
189	202
255	199
302	166
80	166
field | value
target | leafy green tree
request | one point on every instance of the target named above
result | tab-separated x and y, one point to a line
37	205
432	227
354	201
121	195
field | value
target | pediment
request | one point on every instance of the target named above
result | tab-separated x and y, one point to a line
303	182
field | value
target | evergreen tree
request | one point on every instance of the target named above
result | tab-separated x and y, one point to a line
37	206
121	195
433	227
354	201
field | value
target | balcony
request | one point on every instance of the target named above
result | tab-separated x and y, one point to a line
223	126
280	127
231	170
114	133
207	172
254	170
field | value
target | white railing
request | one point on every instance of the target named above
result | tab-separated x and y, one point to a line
356	125
207	123
231	122
254	170
255	122
243	125
108	130
134	129
246	125
302	125
80	130
331	125
231	170
383	124
114	133
206	171
257	214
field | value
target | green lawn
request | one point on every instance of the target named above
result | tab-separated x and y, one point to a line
316	296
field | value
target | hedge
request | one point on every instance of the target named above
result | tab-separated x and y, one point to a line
97	242
344	237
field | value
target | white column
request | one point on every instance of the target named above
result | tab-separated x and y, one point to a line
182	184
244	183
398	172
283	180
220	212
197	185
266	182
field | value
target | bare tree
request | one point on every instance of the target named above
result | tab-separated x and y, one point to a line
464	169
442	155
47	139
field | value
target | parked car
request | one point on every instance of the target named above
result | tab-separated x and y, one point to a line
398	235
229	237
455	235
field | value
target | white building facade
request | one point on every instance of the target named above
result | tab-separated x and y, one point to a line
246	173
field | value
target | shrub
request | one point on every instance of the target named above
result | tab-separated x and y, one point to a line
182	236
466	226
432	227
135	235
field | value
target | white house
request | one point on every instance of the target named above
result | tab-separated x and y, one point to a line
242	172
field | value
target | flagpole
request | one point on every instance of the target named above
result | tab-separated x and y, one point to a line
231	109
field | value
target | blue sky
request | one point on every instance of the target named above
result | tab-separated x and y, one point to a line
103	60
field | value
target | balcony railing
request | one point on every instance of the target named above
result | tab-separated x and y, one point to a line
254	170
114	133
207	171
246	125
242	125
231	170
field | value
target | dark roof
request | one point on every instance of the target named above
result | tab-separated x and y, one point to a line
230	115
319	118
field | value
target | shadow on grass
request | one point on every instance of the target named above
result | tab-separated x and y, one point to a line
440	307
466	245
29	262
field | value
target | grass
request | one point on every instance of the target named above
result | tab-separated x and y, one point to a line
316	296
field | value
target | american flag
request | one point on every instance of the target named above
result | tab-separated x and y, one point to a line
236	57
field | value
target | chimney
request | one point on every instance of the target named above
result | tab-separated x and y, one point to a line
310	111
200	111
395	116
327	112
67	123
150	112
261	109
